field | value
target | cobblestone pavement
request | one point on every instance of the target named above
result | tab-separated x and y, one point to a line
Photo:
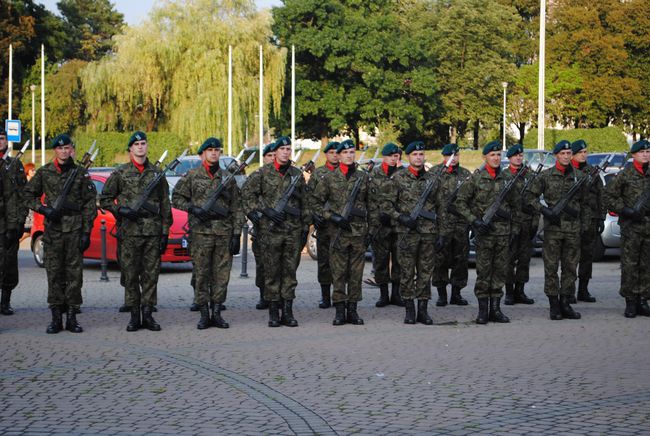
529	376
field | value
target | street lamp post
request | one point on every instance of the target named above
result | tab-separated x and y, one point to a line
541	78
505	86
33	88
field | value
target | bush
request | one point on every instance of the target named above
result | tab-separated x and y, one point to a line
599	140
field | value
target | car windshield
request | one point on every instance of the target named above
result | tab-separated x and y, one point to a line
617	159
191	162
534	158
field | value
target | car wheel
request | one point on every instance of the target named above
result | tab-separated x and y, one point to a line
311	245
39	253
599	249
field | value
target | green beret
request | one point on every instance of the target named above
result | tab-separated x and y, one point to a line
61	140
345	145
491	146
450	149
389	149
414	146
562	145
640	145
578	145
137	136
268	148
280	142
209	143
332	145
514	150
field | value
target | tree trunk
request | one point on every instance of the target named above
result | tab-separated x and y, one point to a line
324	139
477	125
453	134
522	132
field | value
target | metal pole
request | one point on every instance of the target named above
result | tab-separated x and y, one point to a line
261	113
505	86
42	105
230	100
541	78
11	85
104	262
293	102
33	88
244	252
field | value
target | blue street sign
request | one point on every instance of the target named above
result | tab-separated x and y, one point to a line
12	127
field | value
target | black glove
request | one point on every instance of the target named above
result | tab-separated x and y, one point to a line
384	219
254	216
628	212
303	237
51	214
528	209
550	215
128	213
84	242
340	221
273	215
513	238
407	221
199	212
440	243
235	244
164	240
601	227
319	221
480	227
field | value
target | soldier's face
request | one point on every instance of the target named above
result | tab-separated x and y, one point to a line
416	159
268	157
3	143
493	159
283	154
642	156
516	160
347	156
454	160
63	152
391	160
564	157
139	149
581	156
211	155
332	157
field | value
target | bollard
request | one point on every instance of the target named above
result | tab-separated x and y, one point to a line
104	264
244	252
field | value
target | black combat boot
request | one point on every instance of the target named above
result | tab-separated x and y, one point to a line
339	318
57	323
520	295
630	307
642	307
71	323
510	295
554	312
566	309
456	298
495	311
204	322
195	307
353	316
124	308
409	318
5	303
423	316
571	299
326	300
287	314
483	311
274	314
395	296
383	296
583	292
147	319
217	320
134	324
442	296
262	304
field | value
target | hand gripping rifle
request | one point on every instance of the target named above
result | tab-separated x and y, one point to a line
61	201
642	202
371	162
9	165
495	207
349	209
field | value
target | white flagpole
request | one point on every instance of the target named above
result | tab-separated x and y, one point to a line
541	79
293	102
42	105
230	100
261	113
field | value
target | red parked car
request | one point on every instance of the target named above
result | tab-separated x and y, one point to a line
176	250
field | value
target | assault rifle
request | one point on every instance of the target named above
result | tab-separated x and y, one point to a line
531	179
61	201
454	195
349	209
371	163
142	202
495	207
8	166
642	202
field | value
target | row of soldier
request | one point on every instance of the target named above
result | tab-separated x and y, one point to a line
417	222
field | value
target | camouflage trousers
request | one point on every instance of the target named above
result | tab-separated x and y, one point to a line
491	265
385	260
281	257
347	261
212	261
520	254
450	265
9	263
560	250
635	274
64	268
140	265
587	245
416	259
323	242
259	263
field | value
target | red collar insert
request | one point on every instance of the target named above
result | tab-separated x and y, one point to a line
639	167
140	167
491	171
561	168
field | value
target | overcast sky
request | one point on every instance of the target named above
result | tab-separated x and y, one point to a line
135	10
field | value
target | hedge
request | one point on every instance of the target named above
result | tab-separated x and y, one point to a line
605	139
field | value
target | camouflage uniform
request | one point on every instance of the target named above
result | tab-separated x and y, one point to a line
63	255
12	221
139	241
255	246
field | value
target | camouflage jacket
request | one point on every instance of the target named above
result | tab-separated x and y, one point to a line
382	190
124	187
449	221
265	188
314	180
12	182
333	192
194	189
409	189
594	205
624	191
47	185
477	195
553	185
522	217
